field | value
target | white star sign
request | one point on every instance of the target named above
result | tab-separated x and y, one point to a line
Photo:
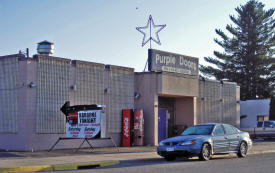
148	28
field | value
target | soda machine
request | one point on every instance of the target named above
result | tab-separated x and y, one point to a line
138	127
132	127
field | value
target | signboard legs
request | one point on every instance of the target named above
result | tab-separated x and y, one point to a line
84	139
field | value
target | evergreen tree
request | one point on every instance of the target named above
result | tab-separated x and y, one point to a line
248	57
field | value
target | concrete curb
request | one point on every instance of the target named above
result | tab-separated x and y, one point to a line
59	167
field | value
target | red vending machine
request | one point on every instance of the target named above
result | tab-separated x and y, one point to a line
138	127
127	126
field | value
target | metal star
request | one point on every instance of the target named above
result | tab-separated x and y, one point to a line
151	25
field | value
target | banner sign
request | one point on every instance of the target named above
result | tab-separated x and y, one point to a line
170	62
83	124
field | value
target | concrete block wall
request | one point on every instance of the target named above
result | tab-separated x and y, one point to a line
177	85
218	102
146	85
9	88
58	80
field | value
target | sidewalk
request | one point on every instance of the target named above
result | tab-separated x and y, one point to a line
68	159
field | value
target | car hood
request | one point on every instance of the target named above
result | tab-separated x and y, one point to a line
186	138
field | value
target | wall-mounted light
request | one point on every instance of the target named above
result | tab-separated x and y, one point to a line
73	87
32	84
136	95
107	90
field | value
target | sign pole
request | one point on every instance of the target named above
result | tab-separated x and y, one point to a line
150	18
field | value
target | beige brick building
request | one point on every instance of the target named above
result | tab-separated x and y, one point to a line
32	90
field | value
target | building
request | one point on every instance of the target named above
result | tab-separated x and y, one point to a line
253	111
32	90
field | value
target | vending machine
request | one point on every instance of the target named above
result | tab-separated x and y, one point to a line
132	127
127	130
138	127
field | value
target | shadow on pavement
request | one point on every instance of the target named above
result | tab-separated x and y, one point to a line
160	161
73	152
9	155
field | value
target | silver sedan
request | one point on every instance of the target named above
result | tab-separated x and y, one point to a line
206	140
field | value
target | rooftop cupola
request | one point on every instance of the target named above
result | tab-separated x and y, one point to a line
45	48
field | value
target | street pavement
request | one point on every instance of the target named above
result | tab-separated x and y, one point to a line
255	163
69	159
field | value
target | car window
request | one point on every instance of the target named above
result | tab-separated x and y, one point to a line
268	124
235	129
230	129
218	130
198	130
260	124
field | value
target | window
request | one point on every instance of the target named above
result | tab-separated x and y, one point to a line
260	124
262	118
269	124
219	130
235	129
230	129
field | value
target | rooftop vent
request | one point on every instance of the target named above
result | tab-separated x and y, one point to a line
45	48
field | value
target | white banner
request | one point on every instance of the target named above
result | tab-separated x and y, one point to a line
88	125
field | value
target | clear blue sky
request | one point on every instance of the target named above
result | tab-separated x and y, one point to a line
103	31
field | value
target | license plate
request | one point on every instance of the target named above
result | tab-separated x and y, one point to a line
170	149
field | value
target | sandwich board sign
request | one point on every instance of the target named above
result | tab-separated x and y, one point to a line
84	121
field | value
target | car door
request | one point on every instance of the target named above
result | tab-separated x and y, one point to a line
233	137
220	141
259	130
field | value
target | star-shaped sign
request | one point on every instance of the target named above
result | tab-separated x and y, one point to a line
151	26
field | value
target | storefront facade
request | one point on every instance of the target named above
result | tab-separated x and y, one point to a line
172	97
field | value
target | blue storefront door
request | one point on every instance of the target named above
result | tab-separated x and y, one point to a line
162	124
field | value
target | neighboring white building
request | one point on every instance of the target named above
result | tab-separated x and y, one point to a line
253	111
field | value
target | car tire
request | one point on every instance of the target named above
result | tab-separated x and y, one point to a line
242	149
205	152
170	158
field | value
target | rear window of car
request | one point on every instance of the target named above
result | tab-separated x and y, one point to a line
230	129
218	130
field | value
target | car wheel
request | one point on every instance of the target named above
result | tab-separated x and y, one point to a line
170	158
205	152
242	149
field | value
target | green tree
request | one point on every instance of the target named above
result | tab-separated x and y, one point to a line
248	57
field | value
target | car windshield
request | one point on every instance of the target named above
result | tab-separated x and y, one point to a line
198	130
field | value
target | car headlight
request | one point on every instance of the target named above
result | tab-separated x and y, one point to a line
192	142
161	143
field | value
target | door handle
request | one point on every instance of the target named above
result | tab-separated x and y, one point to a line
225	137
